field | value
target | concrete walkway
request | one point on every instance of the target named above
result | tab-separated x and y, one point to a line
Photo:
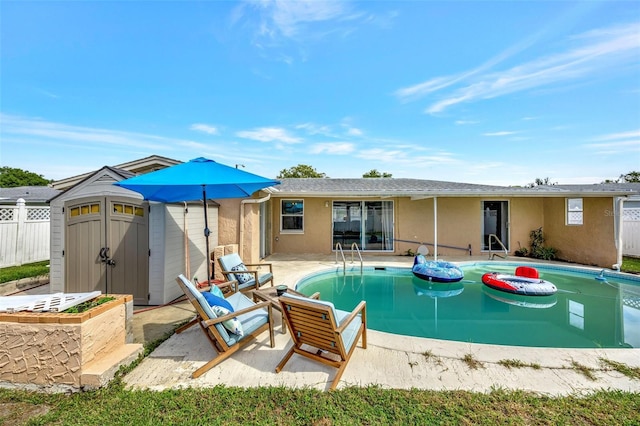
390	361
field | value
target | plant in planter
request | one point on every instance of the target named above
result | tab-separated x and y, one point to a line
85	306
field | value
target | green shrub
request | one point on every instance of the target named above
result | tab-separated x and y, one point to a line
538	249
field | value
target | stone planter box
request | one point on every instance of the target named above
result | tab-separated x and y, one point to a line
62	352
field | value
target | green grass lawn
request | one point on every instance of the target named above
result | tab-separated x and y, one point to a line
631	265
115	405
350	406
13	273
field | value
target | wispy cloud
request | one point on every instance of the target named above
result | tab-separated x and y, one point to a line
465	122
407	157
335	148
206	128
502	133
315	129
46	93
277	23
289	17
269	134
589	55
616	136
16	127
616	143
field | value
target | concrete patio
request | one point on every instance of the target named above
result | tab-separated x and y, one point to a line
422	363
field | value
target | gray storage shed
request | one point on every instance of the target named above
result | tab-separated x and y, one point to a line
107	238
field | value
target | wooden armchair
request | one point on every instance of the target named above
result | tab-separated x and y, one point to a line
248	275
253	318
317	324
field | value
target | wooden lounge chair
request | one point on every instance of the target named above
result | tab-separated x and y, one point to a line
254	319
318	325
247	274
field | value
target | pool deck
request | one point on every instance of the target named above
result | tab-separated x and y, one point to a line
390	361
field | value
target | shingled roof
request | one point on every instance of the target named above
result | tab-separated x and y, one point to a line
418	188
31	194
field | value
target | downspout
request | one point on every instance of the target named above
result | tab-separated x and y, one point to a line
241	219
435	228
619	243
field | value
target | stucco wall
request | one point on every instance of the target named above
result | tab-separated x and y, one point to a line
317	229
228	214
48	348
526	215
229	228
591	243
460	224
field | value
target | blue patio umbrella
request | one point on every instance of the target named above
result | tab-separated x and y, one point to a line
198	179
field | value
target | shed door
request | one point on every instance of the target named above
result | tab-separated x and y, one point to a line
107	247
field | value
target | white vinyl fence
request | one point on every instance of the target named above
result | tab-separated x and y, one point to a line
631	232
24	234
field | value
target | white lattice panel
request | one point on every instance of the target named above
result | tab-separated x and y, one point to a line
631	215
7	214
44	303
38	213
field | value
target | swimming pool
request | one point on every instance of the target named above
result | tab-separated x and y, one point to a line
585	312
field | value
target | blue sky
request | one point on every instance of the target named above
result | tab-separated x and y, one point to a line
479	91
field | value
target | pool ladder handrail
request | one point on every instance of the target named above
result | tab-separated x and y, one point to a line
354	247
491	254
344	261
357	250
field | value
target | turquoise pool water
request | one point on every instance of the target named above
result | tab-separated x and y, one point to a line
584	313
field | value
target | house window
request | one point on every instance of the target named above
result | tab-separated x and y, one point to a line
292	216
574	211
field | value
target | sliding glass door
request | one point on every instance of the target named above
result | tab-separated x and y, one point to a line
367	223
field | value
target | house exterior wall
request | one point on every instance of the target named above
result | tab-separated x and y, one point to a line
459	221
228	214
316	237
526	215
593	242
246	234
460	224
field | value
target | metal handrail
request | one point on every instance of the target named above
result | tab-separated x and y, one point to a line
357	249
344	261
491	254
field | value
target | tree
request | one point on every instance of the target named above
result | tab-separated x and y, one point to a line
300	171
11	177
374	173
631	177
538	182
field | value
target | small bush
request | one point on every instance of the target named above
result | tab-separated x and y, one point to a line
538	249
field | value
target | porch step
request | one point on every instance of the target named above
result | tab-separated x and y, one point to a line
101	371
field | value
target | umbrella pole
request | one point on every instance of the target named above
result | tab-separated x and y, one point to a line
206	234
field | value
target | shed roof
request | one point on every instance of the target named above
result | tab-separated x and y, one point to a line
419	188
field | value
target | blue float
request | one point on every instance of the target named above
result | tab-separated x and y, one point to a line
436	270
